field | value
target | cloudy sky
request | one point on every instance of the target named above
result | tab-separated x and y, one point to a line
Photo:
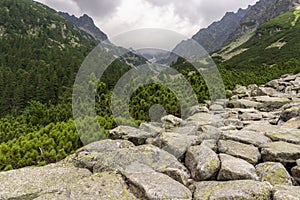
117	16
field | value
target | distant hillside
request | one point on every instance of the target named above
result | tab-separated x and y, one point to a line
40	54
274	42
234	25
86	24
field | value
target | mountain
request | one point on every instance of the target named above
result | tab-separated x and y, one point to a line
274	42
234	25
217	34
86	24
40	53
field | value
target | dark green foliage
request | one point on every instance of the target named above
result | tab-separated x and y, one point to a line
40	53
50	144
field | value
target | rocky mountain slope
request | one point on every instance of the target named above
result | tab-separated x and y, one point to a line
234	25
246	147
86	24
273	42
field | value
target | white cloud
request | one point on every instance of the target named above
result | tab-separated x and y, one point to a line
183	16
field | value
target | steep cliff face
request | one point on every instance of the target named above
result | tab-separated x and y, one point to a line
217	34
260	13
87	24
235	25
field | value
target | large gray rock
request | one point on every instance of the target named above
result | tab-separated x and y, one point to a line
137	136
266	91
240	150
273	84
240	189
262	126
212	144
176	143
235	169
247	137
209	132
274	173
201	118
146	183
271	103
152	156
280	152
251	116
62	181
152	127
187	129
244	103
291	136
283	192
202	162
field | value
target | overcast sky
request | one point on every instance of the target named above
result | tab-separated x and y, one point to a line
117	16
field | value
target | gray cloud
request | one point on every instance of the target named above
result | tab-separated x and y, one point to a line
99	8
184	16
203	10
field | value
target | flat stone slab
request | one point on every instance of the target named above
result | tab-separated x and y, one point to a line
281	152
240	189
271	103
261	127
249	153
62	181
247	137
290	136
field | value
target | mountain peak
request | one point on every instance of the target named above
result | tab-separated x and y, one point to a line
86	23
234	25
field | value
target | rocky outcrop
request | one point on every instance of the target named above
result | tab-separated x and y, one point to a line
87	24
245	151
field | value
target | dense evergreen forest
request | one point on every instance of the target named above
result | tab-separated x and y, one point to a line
40	54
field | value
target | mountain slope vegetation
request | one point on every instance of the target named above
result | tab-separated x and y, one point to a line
274	42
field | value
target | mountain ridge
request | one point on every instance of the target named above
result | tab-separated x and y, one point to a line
86	23
244	21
